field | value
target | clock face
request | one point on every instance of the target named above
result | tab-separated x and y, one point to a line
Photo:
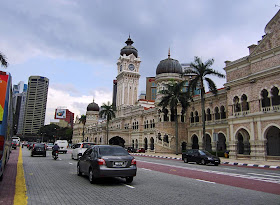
131	67
120	67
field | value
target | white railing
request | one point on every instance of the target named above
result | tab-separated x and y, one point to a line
242	113
274	108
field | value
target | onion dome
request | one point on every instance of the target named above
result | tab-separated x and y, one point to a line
129	49
93	107
169	65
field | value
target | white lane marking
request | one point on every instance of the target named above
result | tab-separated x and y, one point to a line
70	163
130	186
266	175
219	172
272	173
147	169
230	169
206	181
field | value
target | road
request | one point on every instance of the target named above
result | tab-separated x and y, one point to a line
158	181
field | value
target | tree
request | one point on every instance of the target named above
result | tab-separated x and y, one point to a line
107	111
3	60
200	71
173	97
49	131
83	120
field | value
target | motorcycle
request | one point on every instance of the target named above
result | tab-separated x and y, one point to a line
55	155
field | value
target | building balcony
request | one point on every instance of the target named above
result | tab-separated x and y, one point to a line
274	108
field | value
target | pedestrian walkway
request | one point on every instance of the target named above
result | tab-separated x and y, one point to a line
7	186
237	162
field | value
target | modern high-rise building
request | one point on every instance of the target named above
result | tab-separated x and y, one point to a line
19	98
35	109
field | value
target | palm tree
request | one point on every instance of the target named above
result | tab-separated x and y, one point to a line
200	71
83	120
107	111
173	96
3	60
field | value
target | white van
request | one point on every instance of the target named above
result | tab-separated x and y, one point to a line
63	145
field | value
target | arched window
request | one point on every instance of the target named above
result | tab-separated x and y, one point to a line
244	103
154	125
265	98
196	116
165	138
208	115
275	98
217	114
192	118
165	117
223	112
236	104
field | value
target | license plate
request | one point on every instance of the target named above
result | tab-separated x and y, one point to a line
118	164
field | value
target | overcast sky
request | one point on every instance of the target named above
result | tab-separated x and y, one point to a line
76	43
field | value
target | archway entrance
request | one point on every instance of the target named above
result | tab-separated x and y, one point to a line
184	146
152	145
273	141
208	143
195	142
243	144
221	142
145	143
117	141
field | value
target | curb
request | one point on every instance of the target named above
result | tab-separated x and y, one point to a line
228	163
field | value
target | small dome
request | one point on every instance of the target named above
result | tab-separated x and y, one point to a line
93	107
129	49
169	65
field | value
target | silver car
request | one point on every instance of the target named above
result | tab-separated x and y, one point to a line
107	161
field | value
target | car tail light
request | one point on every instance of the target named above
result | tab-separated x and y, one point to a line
133	162
101	162
82	145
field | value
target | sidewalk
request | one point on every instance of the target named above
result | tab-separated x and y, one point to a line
237	162
7	186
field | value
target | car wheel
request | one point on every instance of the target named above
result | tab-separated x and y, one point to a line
129	179
203	162
32	155
1	177
44	155
72	156
79	173
90	176
186	160
77	157
216	164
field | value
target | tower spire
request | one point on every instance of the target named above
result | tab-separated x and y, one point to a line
169	52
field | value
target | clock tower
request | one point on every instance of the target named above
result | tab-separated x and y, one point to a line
128	76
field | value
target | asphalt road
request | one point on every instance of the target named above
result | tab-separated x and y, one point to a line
158	181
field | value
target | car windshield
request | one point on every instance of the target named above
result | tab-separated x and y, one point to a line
204	153
112	151
39	145
87	145
50	144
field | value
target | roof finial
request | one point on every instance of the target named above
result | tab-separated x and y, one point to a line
169	52
93	99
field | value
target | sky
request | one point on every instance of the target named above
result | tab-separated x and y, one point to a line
76	44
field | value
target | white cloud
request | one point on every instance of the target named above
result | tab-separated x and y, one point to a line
77	105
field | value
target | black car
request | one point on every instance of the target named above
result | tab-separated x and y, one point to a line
39	149
14	144
107	161
200	157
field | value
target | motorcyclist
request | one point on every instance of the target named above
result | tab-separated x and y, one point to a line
55	148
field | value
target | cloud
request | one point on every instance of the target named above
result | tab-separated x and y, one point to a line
76	104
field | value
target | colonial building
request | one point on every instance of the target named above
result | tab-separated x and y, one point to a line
244	117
